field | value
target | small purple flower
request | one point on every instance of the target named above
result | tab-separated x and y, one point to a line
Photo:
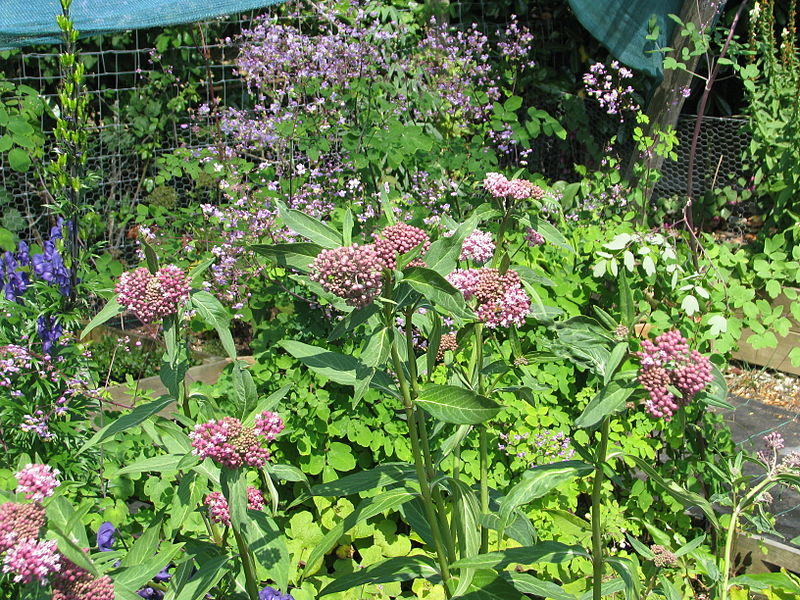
49	331
105	536
270	593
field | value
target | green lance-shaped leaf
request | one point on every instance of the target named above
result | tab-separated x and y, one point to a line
528	584
163	463
112	309
268	545
369	507
716	392
266	403
144	547
309	227
245	393
544	552
682	495
548	232
401	568
626	306
607	401
298	255
381	476
209	572
136	416
438	291
213	314
764	581
628	573
135	577
444	252
488	585
337	367
536	483
234	488
454	404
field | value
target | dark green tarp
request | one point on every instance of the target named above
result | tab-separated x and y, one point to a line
622	26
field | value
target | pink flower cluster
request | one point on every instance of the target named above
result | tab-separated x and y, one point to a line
218	506
233	445
501	301
396	240
519	189
76	583
37	481
25	556
153	296
533	237
478	247
669	362
32	560
354	273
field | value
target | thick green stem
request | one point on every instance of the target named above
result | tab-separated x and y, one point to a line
477	380
727	558
250	581
598	561
422	476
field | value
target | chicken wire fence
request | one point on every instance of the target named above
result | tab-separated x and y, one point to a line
128	131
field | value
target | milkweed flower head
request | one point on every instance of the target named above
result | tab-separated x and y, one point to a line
501	301
354	273
518	189
478	247
20	522
217	505
533	237
233	445
670	363
153	296
32	560
448	341
72	582
37	481
396	240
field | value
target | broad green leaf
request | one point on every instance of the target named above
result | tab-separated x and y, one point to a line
19	160
454	404
208	574
378	346
528	584
268	545
607	401
545	552
71	550
403	568
158	464
681	494
266	403
213	314
369	507
614	360
286	473
378	477
626	306
144	547
136	576
337	367
185	500
537	482
133	418
488	585
109	311
245	394
548	232
438	291
716	392
628	573
234	488
533	277
309	227
444	252
295	256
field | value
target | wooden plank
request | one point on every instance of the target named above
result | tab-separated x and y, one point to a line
774	358
759	554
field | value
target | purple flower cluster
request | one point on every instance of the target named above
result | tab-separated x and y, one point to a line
608	87
217	505
270	593
76	583
670	363
501	301
153	296
478	247
533	237
354	273
25	556
542	448
518	189
395	240
37	481
233	445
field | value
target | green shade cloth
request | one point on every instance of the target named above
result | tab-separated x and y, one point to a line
28	22
622	26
